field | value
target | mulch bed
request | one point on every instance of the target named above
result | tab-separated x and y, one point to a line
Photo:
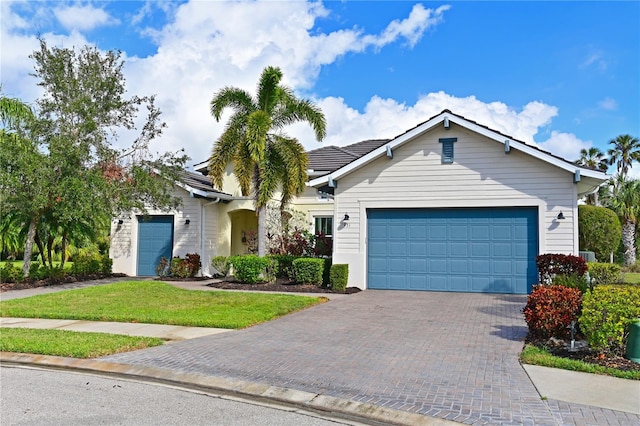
54	281
279	285
560	348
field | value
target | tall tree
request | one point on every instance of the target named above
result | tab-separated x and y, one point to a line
626	203
64	169
625	149
263	156
594	159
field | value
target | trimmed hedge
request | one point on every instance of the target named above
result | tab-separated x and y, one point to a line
339	276
607	314
550	310
308	270
605	273
599	231
251	268
283	265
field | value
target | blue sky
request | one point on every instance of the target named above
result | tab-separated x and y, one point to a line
561	75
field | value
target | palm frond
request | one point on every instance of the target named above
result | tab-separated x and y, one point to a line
231	97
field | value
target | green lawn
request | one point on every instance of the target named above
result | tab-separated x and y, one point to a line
70	343
632	277
18	264
537	356
158	303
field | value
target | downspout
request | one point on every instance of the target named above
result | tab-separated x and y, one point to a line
203	221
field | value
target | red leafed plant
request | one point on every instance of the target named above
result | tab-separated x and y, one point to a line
550	310
550	265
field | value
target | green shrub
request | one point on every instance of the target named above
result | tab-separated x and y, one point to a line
339	276
635	267
106	264
599	230
607	314
308	270
605	273
326	271
10	273
87	264
57	272
550	310
251	269
572	281
178	268
221	264
283	265
35	272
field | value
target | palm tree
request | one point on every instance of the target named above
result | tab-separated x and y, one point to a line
626	203
263	157
15	116
594	159
626	149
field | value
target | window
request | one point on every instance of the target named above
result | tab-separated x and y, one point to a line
324	224
447	150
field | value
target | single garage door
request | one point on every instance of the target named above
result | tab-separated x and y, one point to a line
488	250
155	240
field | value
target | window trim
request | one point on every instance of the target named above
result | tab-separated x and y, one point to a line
323	216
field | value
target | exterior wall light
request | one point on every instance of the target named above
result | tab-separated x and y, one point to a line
188	221
560	216
346	217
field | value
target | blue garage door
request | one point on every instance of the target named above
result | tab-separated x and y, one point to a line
488	250
155	240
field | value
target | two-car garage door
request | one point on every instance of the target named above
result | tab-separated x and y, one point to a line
469	250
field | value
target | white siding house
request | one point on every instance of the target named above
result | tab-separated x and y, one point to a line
449	205
485	172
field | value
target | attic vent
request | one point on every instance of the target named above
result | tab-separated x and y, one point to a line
447	149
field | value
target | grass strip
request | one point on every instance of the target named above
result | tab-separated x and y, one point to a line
70	343
538	356
155	302
632	277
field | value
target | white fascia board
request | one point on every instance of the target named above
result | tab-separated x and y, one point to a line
205	194
527	149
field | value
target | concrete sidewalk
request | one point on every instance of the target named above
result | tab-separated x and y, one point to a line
167	332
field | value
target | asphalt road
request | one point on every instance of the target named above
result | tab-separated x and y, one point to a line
31	396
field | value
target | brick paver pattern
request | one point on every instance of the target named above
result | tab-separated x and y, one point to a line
446	355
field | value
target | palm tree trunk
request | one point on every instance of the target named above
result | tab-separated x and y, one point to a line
262	231
629	241
28	246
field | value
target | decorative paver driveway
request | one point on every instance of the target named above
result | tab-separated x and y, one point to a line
447	355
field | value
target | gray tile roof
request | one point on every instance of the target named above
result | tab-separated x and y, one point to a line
331	158
200	182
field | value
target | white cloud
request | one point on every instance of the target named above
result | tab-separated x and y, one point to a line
566	145
608	104
634	171
83	18
208	45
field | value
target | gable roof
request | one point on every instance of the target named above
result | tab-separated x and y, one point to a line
593	177
199	185
330	158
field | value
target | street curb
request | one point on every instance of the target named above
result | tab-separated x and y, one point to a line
319	403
